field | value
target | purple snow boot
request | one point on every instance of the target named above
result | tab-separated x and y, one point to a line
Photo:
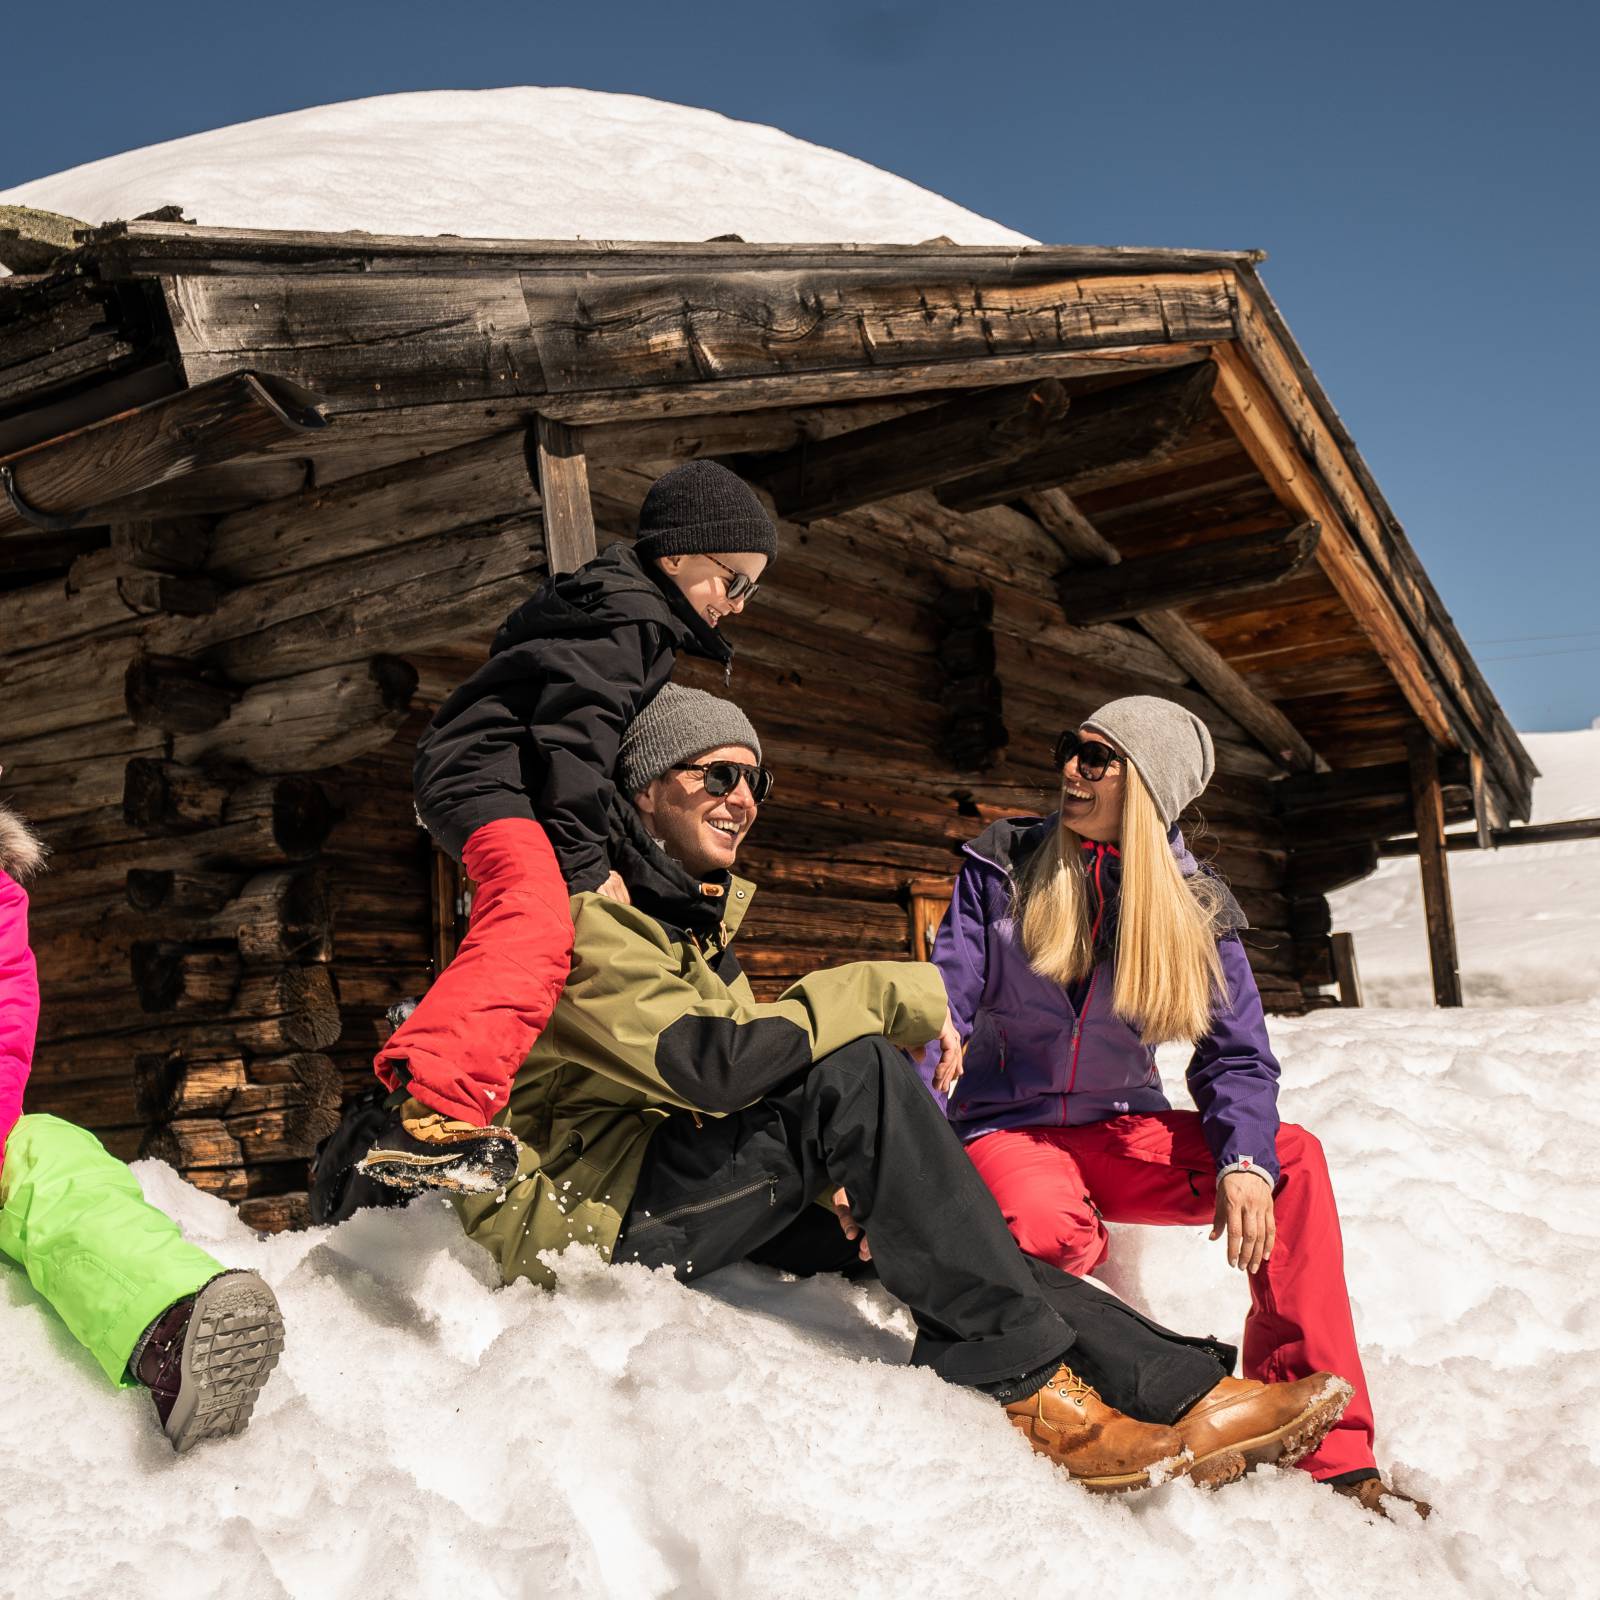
206	1358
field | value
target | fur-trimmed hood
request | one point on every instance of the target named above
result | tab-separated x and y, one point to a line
22	851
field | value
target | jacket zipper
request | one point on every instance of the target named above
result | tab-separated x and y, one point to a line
694	1207
1094	975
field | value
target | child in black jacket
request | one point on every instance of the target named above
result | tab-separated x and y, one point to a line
514	778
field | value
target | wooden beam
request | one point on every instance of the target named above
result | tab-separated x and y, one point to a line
1261	429
1266	344
822	478
1503	838
1428	802
1075	534
1184	577
563	470
66	478
1390	779
1135	424
1345	972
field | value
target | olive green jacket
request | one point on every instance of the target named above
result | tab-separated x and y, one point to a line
652	1022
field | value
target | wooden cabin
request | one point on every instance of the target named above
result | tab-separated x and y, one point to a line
264	498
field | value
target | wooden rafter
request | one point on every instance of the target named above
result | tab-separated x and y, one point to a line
1185	577
1135	426
919	451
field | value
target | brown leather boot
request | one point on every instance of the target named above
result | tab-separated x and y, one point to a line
1242	1423
1100	1447
1370	1494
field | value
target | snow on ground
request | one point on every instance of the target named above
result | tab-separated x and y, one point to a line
429	1434
1527	918
521	163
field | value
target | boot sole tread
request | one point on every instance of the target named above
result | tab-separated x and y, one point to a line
234	1339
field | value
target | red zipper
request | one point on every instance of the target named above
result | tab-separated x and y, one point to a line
1077	1023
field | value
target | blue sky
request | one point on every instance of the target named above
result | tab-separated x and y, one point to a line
1422	176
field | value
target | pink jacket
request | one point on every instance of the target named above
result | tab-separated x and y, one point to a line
20	856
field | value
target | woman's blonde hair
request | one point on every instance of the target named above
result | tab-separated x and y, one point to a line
1168	973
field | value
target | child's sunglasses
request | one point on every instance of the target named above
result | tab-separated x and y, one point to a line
722	778
1093	756
739	585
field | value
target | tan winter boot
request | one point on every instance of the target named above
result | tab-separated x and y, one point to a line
1371	1493
1100	1447
1242	1423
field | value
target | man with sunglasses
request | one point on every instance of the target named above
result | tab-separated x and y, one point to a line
514	779
669	1119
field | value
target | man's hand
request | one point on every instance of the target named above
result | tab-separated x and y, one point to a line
615	889
949	1068
840	1202
1244	1209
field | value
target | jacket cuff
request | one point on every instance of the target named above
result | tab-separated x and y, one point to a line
1245	1164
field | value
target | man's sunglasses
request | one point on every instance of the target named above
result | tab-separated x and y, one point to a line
739	585
722	778
1093	756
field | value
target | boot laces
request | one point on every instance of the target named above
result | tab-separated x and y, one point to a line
1071	1387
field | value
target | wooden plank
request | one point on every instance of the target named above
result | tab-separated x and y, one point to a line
375	511
1428	804
167	439
822	478
127	248
497	332
1345	972
1134	427
564	487
1185	577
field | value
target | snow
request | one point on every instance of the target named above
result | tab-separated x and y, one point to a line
1527	918
430	1434
521	163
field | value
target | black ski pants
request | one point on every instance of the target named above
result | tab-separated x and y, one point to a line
716	1191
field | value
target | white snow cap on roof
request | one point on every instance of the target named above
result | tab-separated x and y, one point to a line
522	163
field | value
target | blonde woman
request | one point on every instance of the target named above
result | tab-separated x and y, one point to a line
1074	945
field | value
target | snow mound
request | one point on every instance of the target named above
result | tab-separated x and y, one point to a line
428	1434
523	163
1527	918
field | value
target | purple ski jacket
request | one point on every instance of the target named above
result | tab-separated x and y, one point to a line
1044	1054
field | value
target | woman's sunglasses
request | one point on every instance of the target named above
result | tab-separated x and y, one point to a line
1093	756
739	585
722	778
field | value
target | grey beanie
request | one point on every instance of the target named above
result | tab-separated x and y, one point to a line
701	508
678	725
1170	746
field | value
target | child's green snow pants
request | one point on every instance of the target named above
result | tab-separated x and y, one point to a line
73	1217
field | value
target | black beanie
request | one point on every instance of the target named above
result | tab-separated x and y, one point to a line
701	509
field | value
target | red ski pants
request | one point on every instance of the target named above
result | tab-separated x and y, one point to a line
463	1044
1055	1185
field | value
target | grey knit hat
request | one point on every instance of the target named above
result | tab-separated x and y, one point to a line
678	725
701	508
1170	746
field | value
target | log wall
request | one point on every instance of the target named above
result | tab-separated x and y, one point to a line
212	722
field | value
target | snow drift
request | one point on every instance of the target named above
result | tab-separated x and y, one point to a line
430	1434
524	163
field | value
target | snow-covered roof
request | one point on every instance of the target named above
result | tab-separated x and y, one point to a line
522	163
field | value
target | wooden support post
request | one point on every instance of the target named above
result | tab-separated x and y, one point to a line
1345	972
1482	802
1427	799
563	472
